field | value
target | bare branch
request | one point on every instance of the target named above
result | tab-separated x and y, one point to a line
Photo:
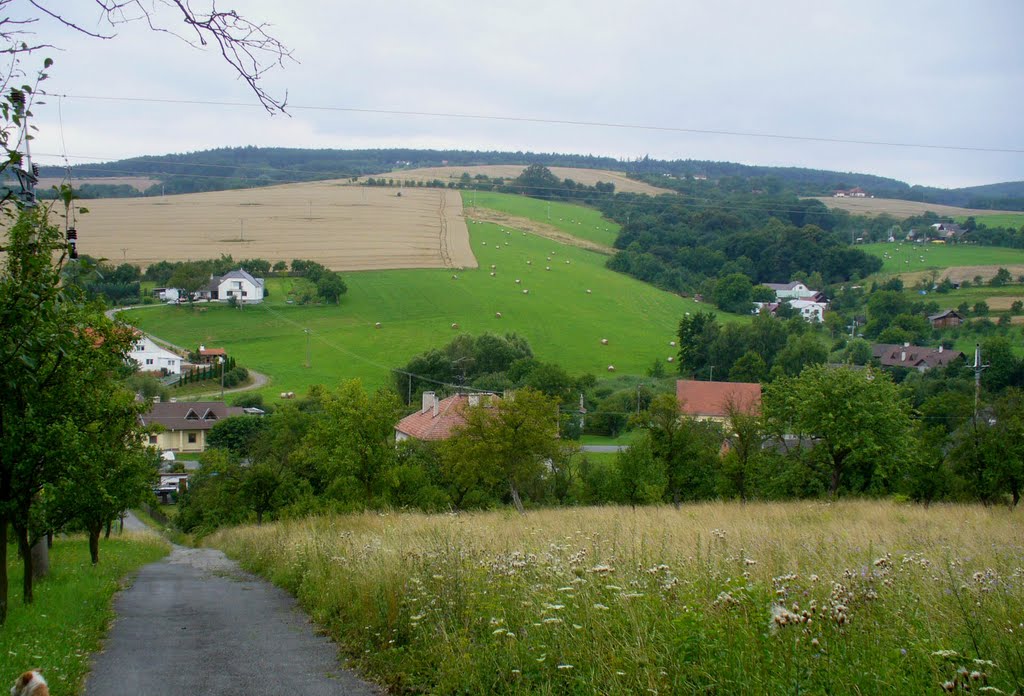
68	23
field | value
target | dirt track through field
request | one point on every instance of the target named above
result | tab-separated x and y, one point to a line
344	227
959	274
538	228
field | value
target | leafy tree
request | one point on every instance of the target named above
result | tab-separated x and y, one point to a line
745	436
506	442
687	449
859	418
749	368
237	434
734	293
641	479
801	351
1001	278
190	277
330	287
697	332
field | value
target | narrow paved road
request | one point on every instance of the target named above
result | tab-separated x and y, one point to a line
194	623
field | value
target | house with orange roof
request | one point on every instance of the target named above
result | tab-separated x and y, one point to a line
711	400
438	418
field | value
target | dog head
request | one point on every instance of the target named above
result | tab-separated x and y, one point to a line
30	683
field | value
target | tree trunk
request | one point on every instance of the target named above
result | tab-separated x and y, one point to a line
94	543
26	563
106	533
1016	497
516	500
677	501
40	559
3	569
49	539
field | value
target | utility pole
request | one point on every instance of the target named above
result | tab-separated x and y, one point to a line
711	376
308	364
221	361
979	367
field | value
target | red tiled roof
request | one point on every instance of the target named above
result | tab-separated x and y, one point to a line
711	399
212	351
906	355
424	425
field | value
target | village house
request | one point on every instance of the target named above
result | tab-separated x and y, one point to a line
438	418
911	357
237	284
211	356
794	290
810	310
946	320
185	424
152	358
711	400
946	231
855	192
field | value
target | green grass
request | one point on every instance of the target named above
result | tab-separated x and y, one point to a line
416	308
905	257
579	221
72	608
1010	220
712	598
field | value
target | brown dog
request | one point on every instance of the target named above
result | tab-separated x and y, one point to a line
30	684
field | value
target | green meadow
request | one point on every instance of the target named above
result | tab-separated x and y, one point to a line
903	257
1011	220
416	310
585	223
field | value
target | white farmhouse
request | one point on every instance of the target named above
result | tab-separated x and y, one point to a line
239	285
809	310
791	291
152	358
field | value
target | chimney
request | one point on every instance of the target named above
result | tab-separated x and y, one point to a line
474	399
903	356
202	347
156	399
906	345
940	347
428	400
436	402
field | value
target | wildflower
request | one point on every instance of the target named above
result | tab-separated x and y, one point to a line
564	666
601	607
552	620
603	569
542	657
975	675
498	631
815	642
985	663
946	654
554	607
948	685
417	617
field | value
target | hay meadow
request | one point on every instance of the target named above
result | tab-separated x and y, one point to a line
848	597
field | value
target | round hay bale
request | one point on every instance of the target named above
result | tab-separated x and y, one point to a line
588	291
567	261
549	258
547	268
377	325
672	343
493	266
529	263
497	315
526	292
611	368
670	358
492	274
455	277
518	281
455	326
604	341
484	243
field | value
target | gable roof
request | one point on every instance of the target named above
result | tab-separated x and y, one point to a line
711	399
424	425
943	315
783	286
240	274
916	357
189	415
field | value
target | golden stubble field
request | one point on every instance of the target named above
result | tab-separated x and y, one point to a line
346	228
897	208
623	184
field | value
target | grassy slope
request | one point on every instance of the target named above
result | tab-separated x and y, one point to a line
71	611
585	223
417	308
907	257
1013	220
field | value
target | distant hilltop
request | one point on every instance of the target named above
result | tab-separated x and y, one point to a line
247	167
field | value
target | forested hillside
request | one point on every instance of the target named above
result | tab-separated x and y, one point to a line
226	168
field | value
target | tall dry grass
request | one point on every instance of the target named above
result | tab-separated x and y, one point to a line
853	597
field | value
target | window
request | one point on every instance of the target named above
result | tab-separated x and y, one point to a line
152	439
149	361
191	438
191	415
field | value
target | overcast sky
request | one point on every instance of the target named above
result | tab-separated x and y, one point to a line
931	73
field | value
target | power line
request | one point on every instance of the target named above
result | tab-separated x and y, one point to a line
563	122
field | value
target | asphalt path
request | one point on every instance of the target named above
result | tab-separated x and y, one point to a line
194	623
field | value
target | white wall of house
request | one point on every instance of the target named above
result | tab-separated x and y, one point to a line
152	358
241	289
810	311
797	292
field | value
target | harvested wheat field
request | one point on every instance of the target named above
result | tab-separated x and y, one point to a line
897	208
346	228
623	184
